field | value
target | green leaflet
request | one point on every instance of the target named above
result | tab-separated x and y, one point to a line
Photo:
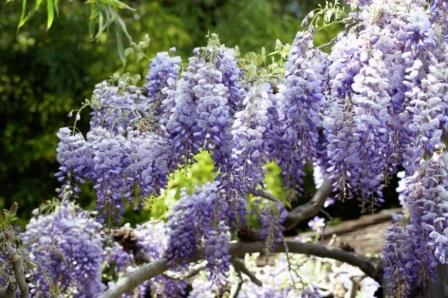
187	178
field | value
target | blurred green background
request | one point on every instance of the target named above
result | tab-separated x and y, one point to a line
45	73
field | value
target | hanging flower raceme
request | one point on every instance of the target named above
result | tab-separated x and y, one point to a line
342	157
162	69
115	164
160	81
369	87
301	103
415	247
211	130
116	108
149	162
109	173
75	159
372	136
186	237
255	137
438	12
201	117
401	266
217	254
427	105
66	247
425	195
232	77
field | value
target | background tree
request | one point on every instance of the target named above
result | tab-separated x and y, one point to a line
46	71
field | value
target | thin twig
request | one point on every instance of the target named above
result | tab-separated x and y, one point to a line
238	286
266	195
241	267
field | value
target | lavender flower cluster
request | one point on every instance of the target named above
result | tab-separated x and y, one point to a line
254	137
67	248
303	97
209	227
201	117
377	102
115	164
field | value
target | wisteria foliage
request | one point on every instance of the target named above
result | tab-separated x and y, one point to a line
375	104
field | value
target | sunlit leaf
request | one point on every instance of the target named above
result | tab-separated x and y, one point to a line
50	13
23	17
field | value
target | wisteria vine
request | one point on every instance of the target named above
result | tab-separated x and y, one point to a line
376	104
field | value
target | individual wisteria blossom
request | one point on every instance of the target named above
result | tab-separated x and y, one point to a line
162	76
317	224
201	118
67	248
301	104
185	236
255	137
116	108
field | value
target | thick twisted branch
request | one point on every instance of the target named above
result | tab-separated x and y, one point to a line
311	208
9	291
17	266
305	211
372	267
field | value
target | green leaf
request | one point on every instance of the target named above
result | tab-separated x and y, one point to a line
50	13
23	17
120	46
115	3
188	179
56	7
37	5
273	182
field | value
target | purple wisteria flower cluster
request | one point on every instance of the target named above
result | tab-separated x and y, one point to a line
115	164
210	227
67	249
375	104
301	103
